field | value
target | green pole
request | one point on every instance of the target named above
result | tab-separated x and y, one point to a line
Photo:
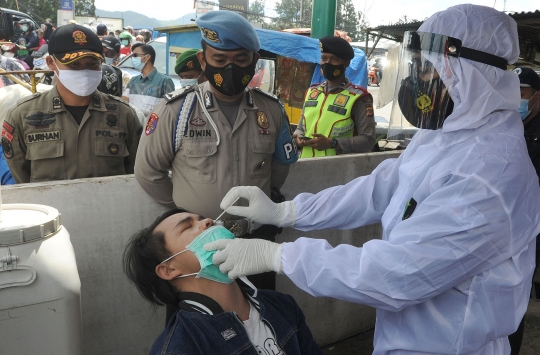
323	18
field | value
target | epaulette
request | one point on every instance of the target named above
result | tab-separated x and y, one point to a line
265	93
315	85
355	89
28	98
175	95
116	98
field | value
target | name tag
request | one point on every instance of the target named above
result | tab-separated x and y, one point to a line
43	137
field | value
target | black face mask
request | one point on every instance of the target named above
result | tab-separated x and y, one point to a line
425	104
332	72
231	79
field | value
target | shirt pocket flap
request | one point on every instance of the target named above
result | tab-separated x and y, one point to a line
110	148
45	150
200	149
262	146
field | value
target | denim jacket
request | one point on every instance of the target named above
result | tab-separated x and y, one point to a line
202	327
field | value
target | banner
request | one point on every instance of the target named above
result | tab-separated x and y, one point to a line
240	6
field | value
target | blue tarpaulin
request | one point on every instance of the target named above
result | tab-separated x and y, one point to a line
306	49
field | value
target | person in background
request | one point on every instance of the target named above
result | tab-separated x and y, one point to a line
72	131
9	64
189	69
379	67
337	117
129	30
41	42
31	40
459	207
111	49
146	89
125	41
111	82
49	28
139	39
101	30
117	34
147	35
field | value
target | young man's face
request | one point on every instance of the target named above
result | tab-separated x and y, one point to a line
534	100
179	230
331	59
219	59
90	63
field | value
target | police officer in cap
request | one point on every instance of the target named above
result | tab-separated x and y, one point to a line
73	131
189	69
218	134
337	117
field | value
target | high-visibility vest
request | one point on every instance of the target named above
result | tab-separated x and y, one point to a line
329	115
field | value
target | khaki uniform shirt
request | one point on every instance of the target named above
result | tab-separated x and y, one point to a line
46	143
255	152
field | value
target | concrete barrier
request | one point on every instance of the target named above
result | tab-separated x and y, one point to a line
102	213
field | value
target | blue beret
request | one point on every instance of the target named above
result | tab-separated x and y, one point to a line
227	30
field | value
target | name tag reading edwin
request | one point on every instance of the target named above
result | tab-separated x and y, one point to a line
43	137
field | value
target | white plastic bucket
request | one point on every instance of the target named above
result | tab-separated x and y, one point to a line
40	289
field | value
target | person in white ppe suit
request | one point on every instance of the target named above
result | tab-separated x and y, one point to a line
459	207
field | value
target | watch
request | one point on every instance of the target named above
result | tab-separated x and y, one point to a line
334	143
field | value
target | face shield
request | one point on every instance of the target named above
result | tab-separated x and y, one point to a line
425	76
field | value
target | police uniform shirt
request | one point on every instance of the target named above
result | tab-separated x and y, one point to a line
178	136
43	142
364	123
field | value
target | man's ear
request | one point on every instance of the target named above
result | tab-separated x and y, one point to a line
51	63
167	273
256	57
347	63
200	57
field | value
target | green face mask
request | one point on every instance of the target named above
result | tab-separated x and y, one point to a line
208	269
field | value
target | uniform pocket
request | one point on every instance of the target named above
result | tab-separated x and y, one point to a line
260	157
201	161
110	154
47	161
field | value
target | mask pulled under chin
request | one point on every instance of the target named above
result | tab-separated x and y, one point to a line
425	104
332	72
80	82
231	79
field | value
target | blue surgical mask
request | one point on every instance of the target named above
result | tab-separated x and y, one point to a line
189	82
208	269
137	63
523	109
109	61
124	42
24	28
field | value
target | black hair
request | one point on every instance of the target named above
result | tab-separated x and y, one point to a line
147	49
144	251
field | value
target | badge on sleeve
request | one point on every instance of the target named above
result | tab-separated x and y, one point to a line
262	120
6	146
152	124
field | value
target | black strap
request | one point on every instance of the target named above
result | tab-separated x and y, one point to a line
483	57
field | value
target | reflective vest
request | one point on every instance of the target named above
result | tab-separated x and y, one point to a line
329	115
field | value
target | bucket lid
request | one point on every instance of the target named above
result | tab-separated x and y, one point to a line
23	223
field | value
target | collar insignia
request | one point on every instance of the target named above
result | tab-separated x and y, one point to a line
79	37
198	122
262	120
208	101
210	35
56	103
249	99
97	101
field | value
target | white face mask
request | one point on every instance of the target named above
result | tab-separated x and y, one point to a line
80	82
189	82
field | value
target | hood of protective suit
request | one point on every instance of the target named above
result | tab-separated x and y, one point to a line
477	89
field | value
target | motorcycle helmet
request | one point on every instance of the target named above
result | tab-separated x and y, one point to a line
110	83
147	35
26	23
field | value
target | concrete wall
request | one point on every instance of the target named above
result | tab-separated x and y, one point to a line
102	213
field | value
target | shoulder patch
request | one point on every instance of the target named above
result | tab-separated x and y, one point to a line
175	95
315	85
355	89
265	93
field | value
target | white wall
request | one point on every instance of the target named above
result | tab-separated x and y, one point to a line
102	213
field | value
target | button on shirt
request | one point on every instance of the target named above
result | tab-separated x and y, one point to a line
145	92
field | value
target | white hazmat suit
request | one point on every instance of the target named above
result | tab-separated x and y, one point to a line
454	277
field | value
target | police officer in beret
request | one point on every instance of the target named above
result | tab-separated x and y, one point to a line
218	134
189	69
337	117
73	131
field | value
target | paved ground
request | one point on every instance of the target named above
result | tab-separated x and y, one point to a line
362	344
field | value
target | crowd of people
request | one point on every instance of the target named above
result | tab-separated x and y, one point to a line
452	273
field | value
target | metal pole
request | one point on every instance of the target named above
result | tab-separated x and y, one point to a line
323	18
